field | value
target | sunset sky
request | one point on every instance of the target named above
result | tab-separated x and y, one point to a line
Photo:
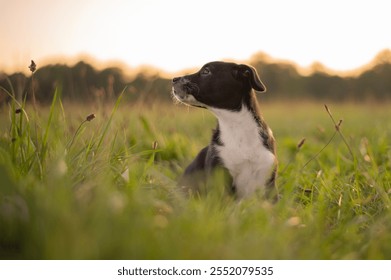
173	35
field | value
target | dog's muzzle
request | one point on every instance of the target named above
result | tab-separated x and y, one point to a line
185	91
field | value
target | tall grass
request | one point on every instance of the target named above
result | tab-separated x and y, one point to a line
106	188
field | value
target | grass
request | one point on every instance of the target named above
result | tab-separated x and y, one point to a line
74	187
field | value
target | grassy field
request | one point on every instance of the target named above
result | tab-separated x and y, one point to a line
105	188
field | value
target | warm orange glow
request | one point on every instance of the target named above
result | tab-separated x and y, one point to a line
173	34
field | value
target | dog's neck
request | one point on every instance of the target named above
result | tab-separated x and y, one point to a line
237	127
246	120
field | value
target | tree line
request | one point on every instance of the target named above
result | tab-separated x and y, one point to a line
83	83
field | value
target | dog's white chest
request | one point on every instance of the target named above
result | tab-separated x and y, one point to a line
249	162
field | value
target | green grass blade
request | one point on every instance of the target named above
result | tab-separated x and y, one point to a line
105	130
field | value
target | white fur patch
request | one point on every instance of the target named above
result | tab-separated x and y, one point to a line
186	99
249	162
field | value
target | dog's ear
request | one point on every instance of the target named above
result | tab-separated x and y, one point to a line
243	71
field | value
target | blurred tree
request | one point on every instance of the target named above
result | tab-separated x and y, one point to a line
83	83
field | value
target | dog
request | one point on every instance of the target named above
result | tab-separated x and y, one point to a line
242	142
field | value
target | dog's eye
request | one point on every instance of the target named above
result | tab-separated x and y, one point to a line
205	71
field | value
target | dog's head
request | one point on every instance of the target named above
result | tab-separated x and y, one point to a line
220	85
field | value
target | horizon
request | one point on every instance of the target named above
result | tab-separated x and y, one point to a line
172	37
378	58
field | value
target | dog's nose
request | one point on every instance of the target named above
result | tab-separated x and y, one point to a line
176	79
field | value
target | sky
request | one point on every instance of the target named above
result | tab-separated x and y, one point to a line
173	35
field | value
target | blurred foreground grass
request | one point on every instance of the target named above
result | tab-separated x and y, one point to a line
104	188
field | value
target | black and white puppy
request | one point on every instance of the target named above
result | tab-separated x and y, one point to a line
242	143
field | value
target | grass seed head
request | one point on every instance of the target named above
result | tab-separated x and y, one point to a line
32	66
301	143
90	117
338	125
327	109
